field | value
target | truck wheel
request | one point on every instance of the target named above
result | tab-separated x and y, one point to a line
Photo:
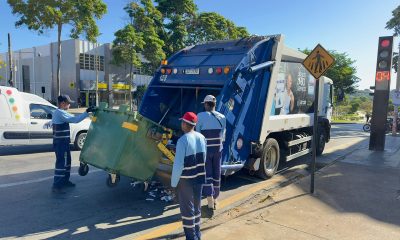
321	140
80	140
83	169
112	180
269	159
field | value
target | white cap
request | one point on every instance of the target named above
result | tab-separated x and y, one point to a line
209	98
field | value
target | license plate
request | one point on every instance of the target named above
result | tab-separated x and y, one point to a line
192	71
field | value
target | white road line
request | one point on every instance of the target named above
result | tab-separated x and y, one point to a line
38	180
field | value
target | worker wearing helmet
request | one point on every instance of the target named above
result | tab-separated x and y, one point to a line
188	175
61	140
212	125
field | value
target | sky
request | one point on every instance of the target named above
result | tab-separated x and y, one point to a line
350	26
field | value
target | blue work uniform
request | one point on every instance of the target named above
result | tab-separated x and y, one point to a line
188	176
212	125
61	140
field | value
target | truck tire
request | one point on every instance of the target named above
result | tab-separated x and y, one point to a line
269	159
80	140
321	140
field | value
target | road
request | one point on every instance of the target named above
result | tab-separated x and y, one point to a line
94	211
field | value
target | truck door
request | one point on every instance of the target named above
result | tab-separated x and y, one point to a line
39	133
327	103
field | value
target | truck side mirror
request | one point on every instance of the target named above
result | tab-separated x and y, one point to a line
49	116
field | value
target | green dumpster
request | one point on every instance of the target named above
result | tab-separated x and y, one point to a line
118	142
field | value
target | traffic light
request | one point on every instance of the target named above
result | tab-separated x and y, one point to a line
381	94
384	63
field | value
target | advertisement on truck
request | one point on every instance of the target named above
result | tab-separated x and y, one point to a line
294	90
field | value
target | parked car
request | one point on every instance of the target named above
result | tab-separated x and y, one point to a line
23	118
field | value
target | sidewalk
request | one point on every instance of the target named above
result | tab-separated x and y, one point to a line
356	198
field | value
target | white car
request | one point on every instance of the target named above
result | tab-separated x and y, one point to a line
23	118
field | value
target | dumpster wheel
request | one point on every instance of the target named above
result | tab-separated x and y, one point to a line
83	169
112	180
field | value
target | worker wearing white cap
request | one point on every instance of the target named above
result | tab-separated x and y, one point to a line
212	125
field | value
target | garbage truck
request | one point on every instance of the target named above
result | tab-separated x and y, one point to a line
261	87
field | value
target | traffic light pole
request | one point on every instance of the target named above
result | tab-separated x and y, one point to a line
381	94
396	108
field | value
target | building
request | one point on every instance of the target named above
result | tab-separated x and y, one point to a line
85	69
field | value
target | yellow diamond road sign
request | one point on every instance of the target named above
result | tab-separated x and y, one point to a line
318	61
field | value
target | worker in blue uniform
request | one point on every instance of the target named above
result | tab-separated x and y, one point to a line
188	175
61	142
212	125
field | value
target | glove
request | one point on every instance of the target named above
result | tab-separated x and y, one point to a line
91	109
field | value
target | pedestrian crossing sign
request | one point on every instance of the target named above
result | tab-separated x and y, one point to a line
318	61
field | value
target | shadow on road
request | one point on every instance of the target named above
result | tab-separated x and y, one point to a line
27	149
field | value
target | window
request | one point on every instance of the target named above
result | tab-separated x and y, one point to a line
90	62
38	111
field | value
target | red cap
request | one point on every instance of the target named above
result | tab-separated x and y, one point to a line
189	117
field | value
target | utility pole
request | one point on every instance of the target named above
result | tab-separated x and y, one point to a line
97	73
396	108
10	79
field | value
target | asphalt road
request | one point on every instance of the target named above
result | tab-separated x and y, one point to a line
92	210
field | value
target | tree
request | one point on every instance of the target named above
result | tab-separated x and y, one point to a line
343	73
209	26
40	15
126	46
178	15
139	93
394	24
146	20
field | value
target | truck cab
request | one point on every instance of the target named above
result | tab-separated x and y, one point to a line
23	119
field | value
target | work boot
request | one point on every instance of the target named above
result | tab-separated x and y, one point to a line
210	202
69	184
57	190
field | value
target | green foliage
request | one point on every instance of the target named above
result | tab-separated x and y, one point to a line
354	107
126	46
394	22
209	26
170	26
395	61
139	93
343	72
178	16
147	20
39	15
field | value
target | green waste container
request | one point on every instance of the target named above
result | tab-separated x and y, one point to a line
118	142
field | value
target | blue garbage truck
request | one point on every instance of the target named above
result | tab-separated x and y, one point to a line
261	87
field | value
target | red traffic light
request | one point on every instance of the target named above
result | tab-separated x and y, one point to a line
385	43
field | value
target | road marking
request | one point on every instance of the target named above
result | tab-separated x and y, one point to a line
38	180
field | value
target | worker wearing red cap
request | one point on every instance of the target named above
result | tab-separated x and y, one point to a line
188	174
212	125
